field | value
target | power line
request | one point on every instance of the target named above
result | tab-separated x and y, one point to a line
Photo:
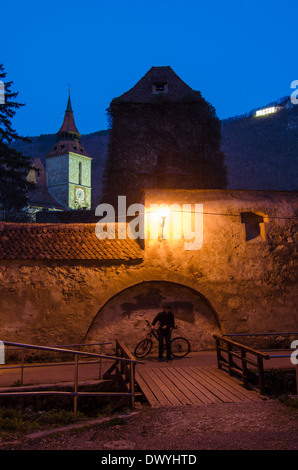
214	213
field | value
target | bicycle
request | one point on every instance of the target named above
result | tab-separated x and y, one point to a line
180	346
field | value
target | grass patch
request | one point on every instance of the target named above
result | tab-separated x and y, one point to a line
14	422
280	382
114	422
291	402
10	419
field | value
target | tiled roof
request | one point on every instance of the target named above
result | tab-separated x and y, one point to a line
63	147
62	242
142	91
39	195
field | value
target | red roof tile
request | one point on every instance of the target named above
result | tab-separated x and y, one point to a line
62	241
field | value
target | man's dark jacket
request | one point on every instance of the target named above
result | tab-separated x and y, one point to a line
164	319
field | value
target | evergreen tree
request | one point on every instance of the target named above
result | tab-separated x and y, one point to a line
14	167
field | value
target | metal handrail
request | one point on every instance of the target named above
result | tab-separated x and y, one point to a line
75	394
261	334
23	366
66	351
71	345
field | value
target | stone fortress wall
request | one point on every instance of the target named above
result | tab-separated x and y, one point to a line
242	279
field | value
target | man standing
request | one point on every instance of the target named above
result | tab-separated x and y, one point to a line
166	323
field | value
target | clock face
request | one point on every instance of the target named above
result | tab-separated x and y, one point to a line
80	194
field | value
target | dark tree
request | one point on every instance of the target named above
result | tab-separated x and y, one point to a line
14	167
163	141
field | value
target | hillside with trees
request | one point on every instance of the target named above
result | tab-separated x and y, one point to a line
260	153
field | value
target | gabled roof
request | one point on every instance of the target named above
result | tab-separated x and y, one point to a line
62	242
37	174
39	195
142	91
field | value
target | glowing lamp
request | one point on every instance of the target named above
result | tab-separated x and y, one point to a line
163	213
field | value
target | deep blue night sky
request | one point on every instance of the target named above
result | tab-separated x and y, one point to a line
239	54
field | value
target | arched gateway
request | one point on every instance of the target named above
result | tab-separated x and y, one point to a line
123	315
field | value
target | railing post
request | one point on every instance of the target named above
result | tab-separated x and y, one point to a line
22	365
76	378
261	375
132	384
230	359
218	355
100	363
244	368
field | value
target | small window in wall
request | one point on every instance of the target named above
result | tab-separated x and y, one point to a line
160	87
254	225
80	172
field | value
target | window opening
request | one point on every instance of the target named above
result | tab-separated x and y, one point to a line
80	172
252	223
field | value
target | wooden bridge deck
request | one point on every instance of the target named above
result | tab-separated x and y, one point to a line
176	386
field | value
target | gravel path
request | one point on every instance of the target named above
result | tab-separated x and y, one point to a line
267	425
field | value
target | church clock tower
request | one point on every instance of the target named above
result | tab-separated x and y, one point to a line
69	166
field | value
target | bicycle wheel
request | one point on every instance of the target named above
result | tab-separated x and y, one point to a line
143	348
180	347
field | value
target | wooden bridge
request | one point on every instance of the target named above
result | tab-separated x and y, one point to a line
176	386
185	381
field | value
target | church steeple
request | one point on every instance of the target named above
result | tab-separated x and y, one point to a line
68	130
68	138
69	107
69	165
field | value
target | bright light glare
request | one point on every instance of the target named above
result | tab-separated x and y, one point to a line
163	211
262	112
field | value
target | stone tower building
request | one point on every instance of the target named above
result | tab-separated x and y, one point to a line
164	135
69	166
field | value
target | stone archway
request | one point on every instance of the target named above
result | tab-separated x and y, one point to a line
123	315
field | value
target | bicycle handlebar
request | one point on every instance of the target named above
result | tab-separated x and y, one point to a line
149	324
